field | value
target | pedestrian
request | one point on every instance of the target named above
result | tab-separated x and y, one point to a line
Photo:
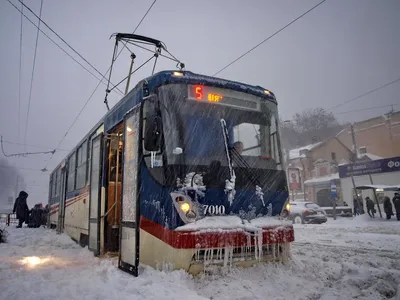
387	206
356	207
370	207
21	208
396	203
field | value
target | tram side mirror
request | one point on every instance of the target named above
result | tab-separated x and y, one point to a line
152	138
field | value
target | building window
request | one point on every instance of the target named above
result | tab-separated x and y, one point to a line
71	172
362	150
333	155
81	166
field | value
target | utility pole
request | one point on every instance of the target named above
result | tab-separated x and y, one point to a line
355	153
16	187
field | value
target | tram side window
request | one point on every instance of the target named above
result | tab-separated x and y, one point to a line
149	111
53	184
81	166
89	160
275	153
71	172
58	182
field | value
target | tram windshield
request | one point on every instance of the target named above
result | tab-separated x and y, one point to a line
194	135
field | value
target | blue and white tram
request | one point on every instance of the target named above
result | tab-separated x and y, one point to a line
185	171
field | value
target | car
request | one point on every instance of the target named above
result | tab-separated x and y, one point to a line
304	213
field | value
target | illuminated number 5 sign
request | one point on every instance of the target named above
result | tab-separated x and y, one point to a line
199	92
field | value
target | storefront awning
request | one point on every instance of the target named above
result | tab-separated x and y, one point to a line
379	187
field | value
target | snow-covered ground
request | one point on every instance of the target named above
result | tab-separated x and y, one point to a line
343	259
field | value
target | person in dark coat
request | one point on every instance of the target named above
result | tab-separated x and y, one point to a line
370	207
387	206
21	208
396	203
356	207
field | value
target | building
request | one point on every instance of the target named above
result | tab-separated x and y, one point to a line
312	168
379	136
376	172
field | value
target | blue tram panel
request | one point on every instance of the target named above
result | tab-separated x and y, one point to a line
220	154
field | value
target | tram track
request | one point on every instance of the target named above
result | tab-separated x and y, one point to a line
342	247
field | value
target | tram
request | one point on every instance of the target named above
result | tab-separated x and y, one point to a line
184	172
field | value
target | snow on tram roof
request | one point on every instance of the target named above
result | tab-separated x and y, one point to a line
166	77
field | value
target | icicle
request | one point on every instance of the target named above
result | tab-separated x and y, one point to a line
152	158
269	213
226	257
255	247
260	194
260	243
231	257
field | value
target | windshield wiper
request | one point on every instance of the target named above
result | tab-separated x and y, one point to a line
229	184
247	168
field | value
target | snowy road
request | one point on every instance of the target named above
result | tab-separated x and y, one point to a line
343	259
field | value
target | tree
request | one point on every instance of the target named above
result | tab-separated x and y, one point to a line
308	127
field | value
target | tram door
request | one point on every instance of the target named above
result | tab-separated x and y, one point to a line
94	194
61	214
129	226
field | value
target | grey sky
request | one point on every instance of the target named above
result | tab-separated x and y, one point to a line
338	51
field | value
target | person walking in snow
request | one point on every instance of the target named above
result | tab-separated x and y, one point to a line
356	207
370	207
21	208
387	207
396	203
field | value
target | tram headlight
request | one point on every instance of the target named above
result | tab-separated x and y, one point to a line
185	207
288	207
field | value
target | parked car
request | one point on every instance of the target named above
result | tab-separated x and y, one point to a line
304	212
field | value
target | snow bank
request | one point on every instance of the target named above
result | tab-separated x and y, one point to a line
40	264
343	259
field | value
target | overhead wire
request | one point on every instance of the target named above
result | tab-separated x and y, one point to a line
367	93
61	48
30	145
33	73
65	42
20	75
364	109
95	89
22	153
19	168
268	38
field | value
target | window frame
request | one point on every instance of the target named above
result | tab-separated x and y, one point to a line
71	172
81	165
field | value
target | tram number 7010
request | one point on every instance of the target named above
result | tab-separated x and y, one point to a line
214	209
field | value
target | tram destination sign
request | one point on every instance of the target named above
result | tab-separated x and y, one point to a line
370	167
213	95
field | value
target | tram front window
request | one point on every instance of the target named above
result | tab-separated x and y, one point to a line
196	129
